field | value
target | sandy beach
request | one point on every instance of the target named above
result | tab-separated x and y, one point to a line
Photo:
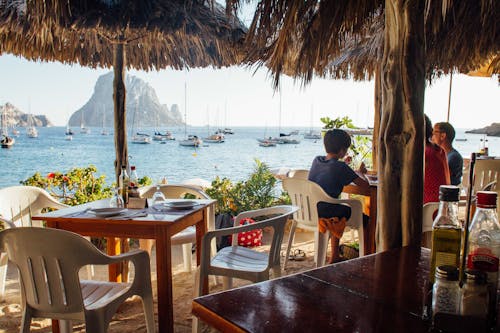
129	317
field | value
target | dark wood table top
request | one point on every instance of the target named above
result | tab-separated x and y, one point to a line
384	292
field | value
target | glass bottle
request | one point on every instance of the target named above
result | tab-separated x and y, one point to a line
474	299
123	183
134	178
446	291
483	243
446	231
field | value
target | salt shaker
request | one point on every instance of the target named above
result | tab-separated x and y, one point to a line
446	291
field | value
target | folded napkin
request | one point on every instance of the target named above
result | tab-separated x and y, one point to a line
335	225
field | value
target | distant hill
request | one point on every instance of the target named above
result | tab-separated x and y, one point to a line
14	117
142	105
492	130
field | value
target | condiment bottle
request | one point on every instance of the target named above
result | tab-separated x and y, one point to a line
474	299
483	245
123	184
446	231
134	179
446	291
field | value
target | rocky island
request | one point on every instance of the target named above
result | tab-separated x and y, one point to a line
14	117
491	130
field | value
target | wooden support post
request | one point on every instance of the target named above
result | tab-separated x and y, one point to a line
120	112
376	121
400	192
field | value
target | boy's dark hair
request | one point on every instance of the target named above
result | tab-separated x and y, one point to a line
428	128
335	140
448	130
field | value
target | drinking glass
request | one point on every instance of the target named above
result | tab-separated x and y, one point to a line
116	200
158	197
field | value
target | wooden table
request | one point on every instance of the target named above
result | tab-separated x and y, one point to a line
160	227
371	201
384	292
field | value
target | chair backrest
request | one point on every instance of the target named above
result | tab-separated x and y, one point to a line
298	173
19	203
428	213
48	261
306	194
277	218
176	191
486	175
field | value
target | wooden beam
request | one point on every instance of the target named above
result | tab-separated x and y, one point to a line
120	112
377	101
400	195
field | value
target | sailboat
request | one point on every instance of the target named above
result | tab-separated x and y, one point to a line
159	136
137	137
6	141
217	137
68	133
311	134
31	129
83	129
189	140
104	130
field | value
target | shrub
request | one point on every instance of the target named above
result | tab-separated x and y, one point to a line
259	191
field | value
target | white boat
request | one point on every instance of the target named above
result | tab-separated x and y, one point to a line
138	137
141	138
31	129
312	135
290	138
68	137
191	141
6	141
158	136
266	143
215	138
83	129
104	130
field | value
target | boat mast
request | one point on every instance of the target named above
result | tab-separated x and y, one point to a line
185	109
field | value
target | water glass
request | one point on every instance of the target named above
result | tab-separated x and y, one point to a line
158	197
116	200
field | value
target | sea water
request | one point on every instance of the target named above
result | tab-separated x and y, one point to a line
234	159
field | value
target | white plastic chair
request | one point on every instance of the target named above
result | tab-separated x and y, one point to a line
49	260
186	237
427	219
17	205
298	173
306	194
486	175
241	262
3	258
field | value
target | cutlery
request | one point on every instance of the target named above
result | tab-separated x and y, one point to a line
82	212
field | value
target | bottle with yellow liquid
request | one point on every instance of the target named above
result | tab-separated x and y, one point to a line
446	231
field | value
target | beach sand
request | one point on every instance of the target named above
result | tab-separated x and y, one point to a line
129	317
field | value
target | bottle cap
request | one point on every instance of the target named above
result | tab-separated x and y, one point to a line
447	272
476	277
449	193
486	199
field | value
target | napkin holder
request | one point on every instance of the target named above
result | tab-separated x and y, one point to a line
137	203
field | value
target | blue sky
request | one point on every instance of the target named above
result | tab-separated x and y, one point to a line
57	90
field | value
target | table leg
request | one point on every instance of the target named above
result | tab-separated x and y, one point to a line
113	247
201	229
164	280
373	221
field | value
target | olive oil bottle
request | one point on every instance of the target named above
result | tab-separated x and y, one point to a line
446	231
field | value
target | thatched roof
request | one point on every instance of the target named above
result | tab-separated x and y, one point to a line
156	34
343	39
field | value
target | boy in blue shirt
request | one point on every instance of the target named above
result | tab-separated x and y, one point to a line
332	175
